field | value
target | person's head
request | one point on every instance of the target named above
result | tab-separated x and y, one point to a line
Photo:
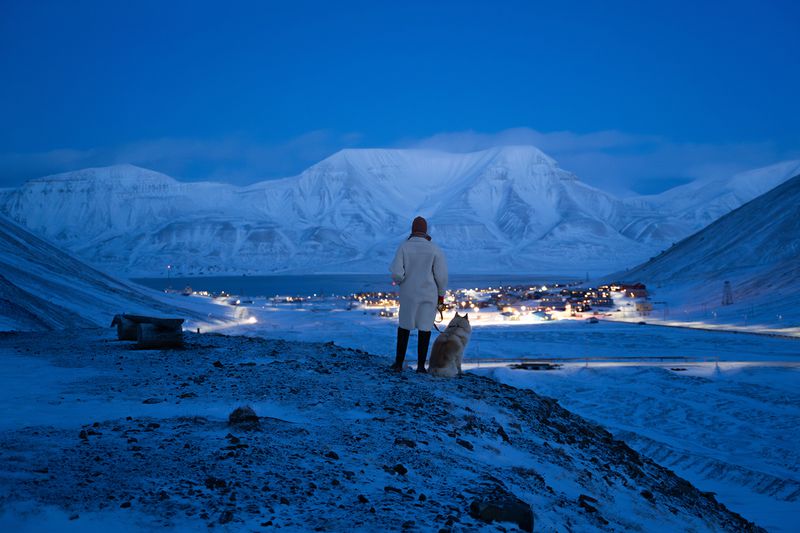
419	228
420	225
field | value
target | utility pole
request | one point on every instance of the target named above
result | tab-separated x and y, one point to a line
727	294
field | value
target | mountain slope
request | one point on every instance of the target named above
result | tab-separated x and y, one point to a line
43	288
695	205
498	210
755	247
764	232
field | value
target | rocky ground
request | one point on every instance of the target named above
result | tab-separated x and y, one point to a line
339	443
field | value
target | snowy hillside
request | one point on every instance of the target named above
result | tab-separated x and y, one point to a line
498	210
142	441
756	247
695	205
43	288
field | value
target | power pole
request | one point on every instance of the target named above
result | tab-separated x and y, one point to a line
727	294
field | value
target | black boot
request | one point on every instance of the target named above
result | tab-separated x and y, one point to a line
402	346
423	340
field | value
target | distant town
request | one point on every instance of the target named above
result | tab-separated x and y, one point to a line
525	303
518	302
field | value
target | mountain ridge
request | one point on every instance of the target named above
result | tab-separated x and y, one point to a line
763	231
506	207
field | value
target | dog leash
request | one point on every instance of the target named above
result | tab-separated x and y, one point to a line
439	308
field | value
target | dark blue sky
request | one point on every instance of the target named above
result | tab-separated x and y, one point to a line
630	95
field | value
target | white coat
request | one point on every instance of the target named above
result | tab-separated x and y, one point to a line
419	268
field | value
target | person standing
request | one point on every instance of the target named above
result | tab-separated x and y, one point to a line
420	270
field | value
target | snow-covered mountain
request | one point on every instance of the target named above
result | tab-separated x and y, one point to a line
44	288
498	210
697	204
761	235
755	247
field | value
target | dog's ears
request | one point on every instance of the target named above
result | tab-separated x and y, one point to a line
457	314
466	316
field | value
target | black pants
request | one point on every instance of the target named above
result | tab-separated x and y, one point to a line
423	341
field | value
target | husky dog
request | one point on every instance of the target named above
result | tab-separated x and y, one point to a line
448	348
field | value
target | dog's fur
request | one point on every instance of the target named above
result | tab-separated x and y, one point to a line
448	348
